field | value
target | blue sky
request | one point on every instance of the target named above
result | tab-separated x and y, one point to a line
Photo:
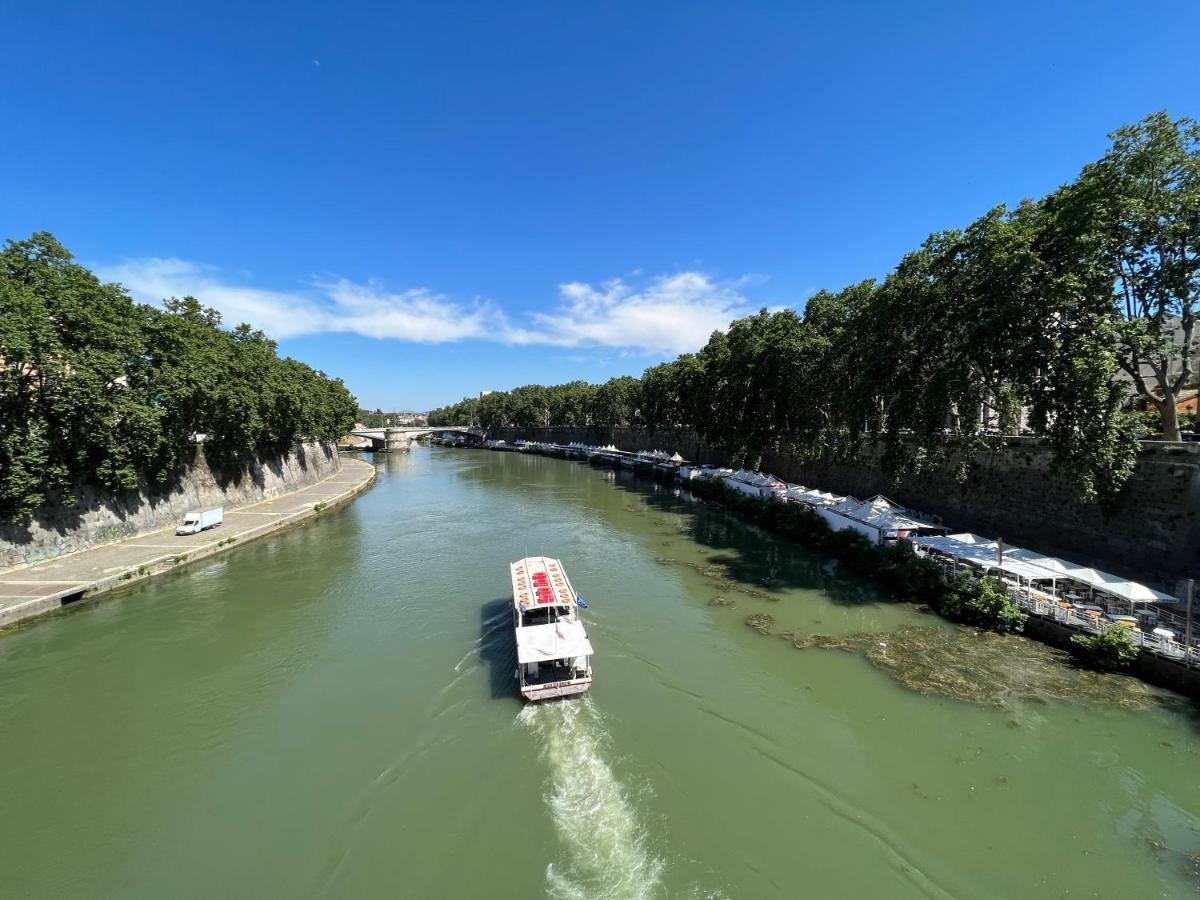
432	199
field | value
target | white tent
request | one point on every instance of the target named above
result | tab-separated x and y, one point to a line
961	545
895	520
825	498
812	497
966	537
864	511
885	515
1132	592
1022	570
1059	567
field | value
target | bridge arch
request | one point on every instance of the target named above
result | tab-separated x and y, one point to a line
400	438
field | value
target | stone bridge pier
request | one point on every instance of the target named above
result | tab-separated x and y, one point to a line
397	440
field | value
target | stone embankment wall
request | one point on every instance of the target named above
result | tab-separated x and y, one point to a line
1152	533
99	518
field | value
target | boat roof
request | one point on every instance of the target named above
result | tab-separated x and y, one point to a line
558	640
540	581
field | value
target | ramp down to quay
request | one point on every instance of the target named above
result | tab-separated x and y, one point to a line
27	592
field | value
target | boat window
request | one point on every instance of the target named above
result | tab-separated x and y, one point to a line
545	615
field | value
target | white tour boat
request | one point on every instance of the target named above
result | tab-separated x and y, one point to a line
554	656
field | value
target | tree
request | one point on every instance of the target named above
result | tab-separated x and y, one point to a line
969	332
465	412
846	403
1113	648
529	406
568	404
494	411
760	377
75	372
97	389
1140	207
661	401
616	402
981	602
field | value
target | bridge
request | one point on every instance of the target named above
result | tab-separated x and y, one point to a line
400	438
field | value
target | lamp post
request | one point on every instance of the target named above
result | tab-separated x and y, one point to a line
1187	640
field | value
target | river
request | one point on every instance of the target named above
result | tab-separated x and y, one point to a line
330	712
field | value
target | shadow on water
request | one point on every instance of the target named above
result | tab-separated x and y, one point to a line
498	647
744	553
747	554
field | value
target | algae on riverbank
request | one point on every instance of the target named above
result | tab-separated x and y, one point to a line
761	622
984	667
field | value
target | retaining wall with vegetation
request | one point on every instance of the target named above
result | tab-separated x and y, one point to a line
1151	533
99	518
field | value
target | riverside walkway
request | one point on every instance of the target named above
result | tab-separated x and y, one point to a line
29	591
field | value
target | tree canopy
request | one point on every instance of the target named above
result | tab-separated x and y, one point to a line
1135	216
97	389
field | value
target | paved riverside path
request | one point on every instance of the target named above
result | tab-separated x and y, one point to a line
28	591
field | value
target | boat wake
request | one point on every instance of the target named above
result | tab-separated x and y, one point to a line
607	857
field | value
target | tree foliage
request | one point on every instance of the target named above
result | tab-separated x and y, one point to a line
97	389
1137	218
466	412
1113	648
982	602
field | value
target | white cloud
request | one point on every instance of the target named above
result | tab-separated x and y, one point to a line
417	314
671	314
668	314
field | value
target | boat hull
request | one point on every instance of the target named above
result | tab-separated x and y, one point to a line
557	690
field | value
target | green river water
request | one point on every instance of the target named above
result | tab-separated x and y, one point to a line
331	713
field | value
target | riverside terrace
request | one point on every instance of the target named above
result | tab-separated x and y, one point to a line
1079	597
1076	597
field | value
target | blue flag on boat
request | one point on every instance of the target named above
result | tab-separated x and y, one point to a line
581	602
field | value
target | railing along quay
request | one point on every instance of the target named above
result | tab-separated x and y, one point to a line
1151	643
